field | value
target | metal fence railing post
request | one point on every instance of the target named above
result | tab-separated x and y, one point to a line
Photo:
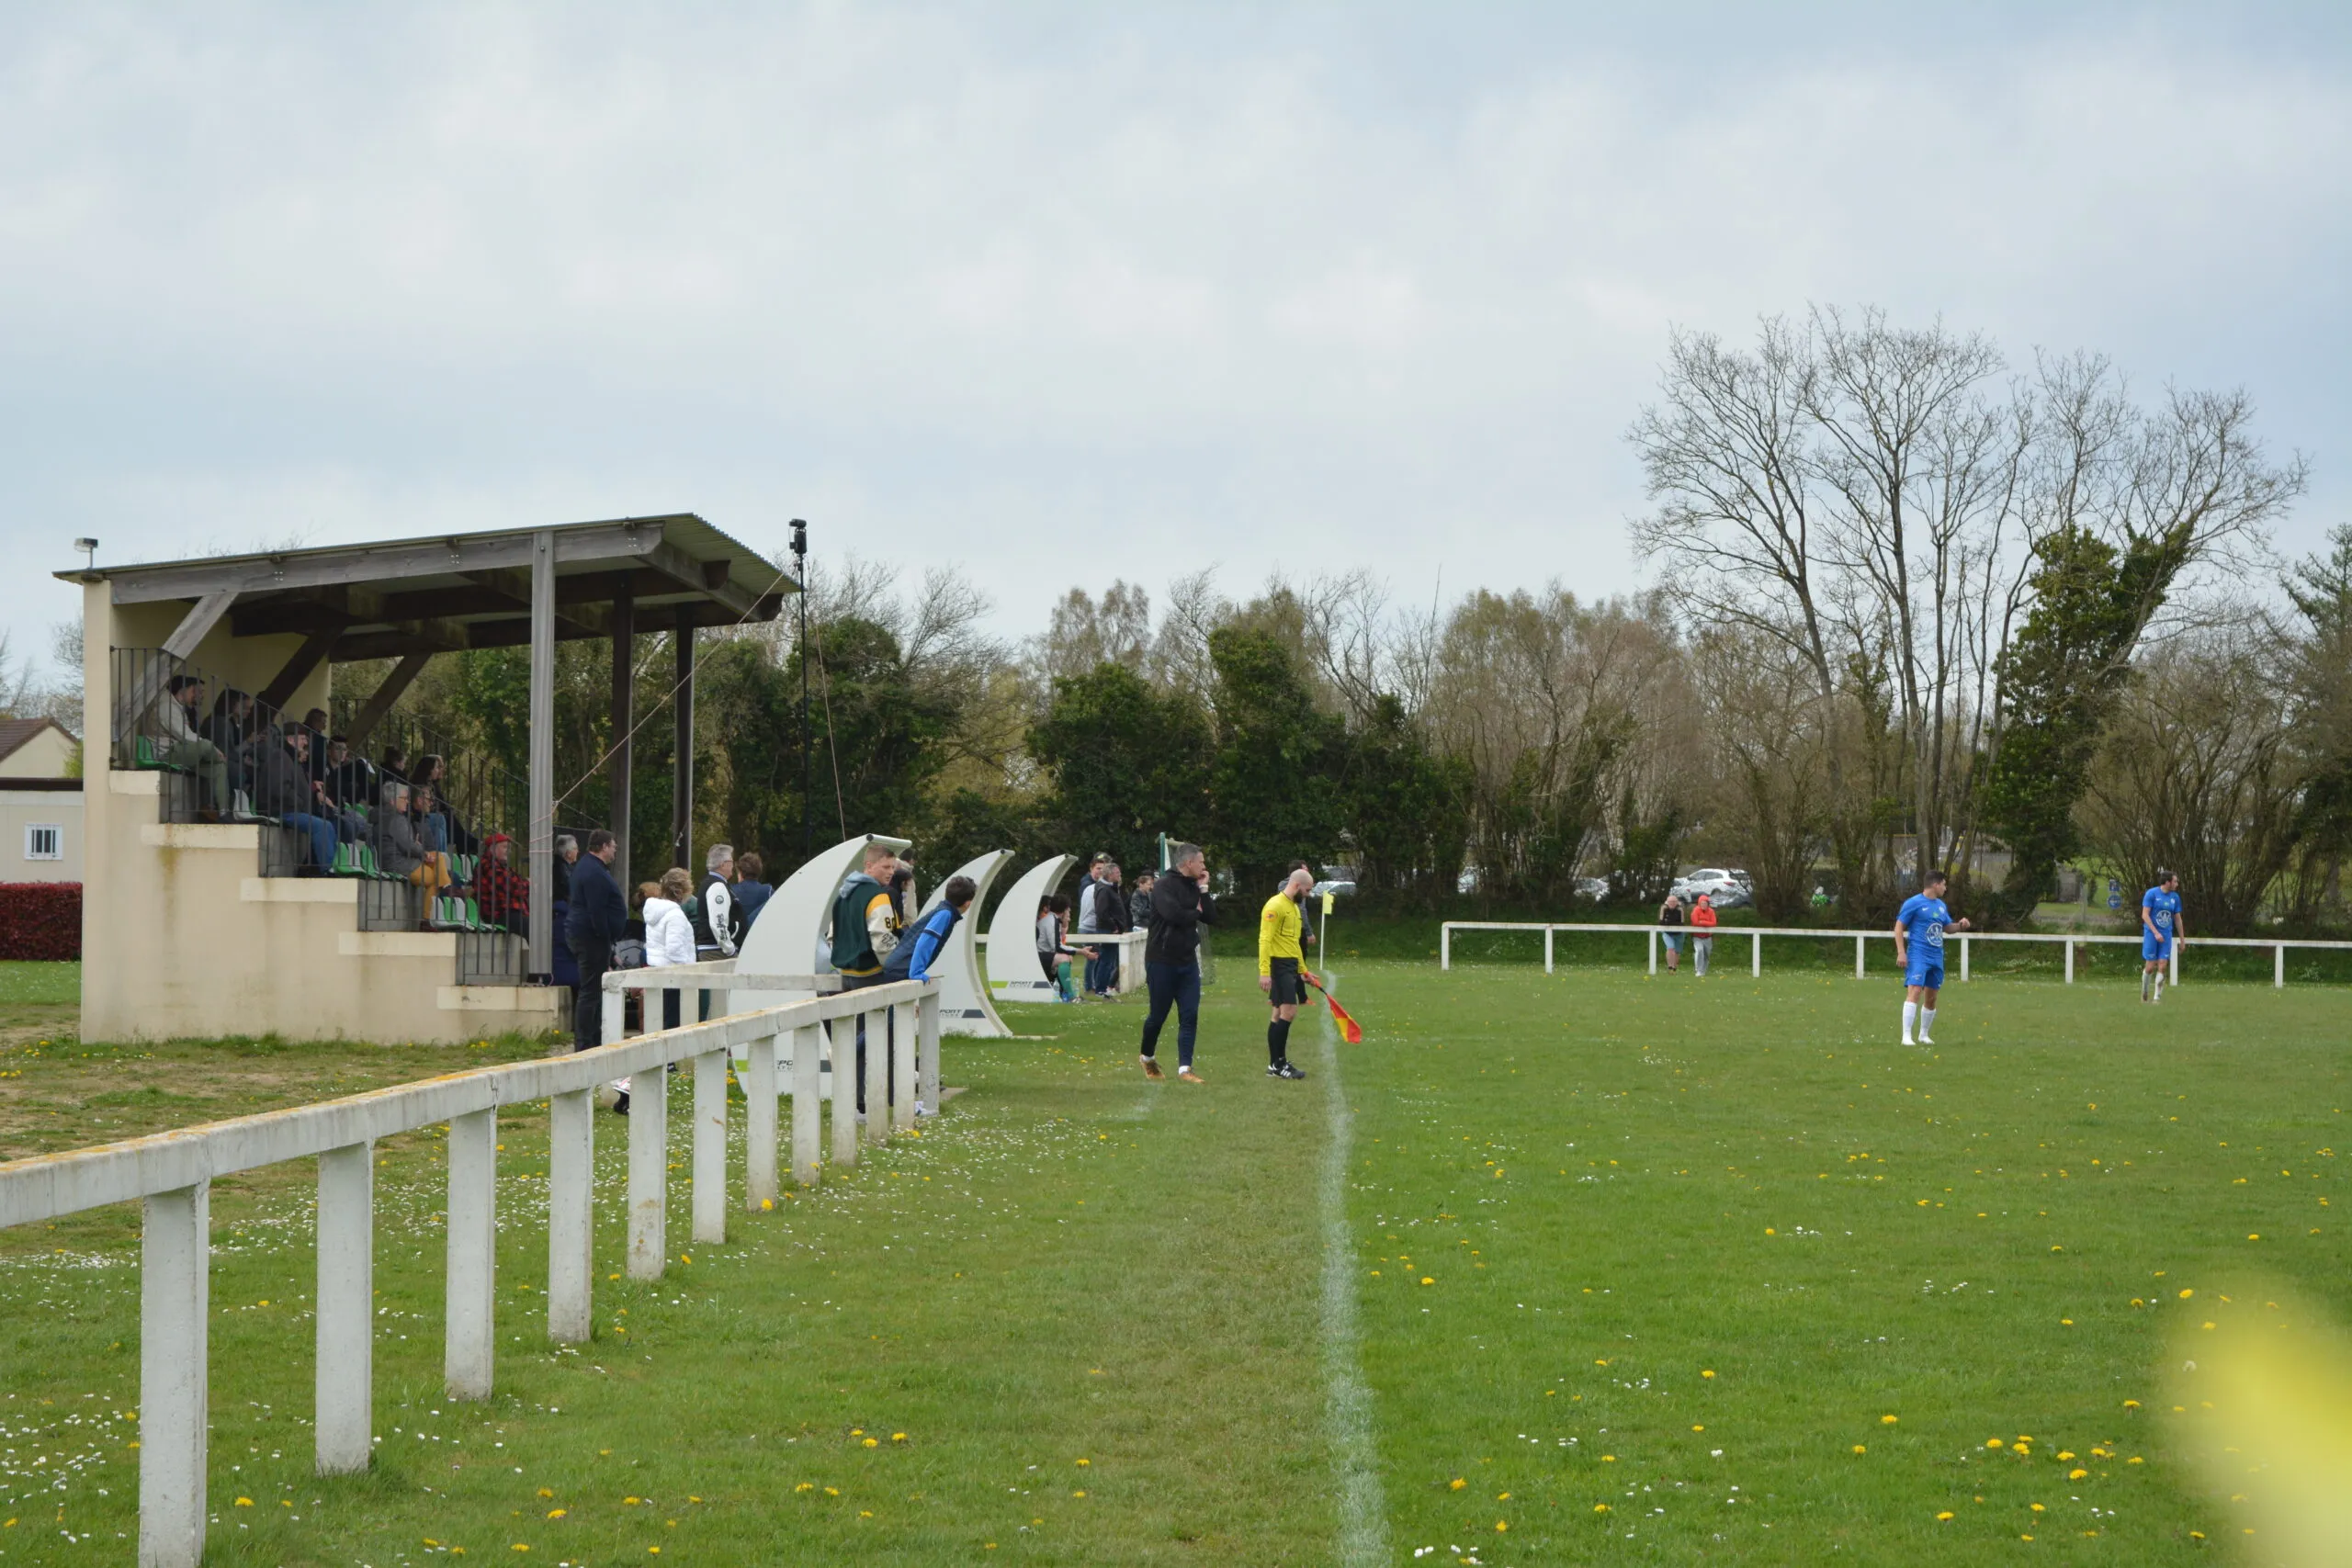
175	1314
710	1210
649	1171
844	1036
808	1105
902	1066
876	1065
759	1125
473	1253
927	1037
344	1378
572	1235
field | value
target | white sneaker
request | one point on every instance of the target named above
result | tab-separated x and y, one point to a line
1906	1040
1924	1041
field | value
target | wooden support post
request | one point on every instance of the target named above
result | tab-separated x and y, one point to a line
648	1169
572	1236
808	1105
380	701
623	718
541	741
902	1067
344	1381
469	1326
759	1126
175	1314
842	1037
710	1148
295	670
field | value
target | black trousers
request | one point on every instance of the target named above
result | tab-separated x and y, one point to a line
588	1002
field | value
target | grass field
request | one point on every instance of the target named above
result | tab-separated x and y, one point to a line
1625	1270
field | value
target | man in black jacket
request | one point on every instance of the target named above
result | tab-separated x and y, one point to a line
597	918
1110	919
1180	904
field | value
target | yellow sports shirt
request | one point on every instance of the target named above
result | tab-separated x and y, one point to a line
1278	932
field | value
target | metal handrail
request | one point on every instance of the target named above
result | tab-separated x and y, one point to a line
172	1172
1756	952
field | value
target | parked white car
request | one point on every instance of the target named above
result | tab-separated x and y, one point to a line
1726	889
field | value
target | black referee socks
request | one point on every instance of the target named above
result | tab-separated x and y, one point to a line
1277	1042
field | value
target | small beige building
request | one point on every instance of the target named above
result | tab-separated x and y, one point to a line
40	806
204	914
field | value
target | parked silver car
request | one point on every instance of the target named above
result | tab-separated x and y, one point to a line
1726	888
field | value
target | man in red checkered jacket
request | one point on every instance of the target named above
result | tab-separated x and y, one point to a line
503	892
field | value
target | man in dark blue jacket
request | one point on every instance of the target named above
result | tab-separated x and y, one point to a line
597	918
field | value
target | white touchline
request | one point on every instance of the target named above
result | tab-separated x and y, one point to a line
1364	1513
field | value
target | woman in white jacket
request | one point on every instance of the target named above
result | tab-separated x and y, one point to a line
669	939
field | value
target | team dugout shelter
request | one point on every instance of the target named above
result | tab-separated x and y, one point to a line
207	912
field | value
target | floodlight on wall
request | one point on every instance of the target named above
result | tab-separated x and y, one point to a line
89	549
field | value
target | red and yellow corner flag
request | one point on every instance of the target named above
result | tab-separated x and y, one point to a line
1350	1030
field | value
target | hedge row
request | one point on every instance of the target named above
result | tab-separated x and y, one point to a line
40	920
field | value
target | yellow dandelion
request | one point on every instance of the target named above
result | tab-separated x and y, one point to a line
1888	1420
1499	1524
1991	1442
2076	1474
1944	1517
1707	1374
872	1442
244	1501
1860	1449
1457	1484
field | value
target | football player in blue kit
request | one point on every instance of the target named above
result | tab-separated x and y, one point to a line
1920	928
2161	930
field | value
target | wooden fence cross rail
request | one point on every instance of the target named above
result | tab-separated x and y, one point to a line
171	1174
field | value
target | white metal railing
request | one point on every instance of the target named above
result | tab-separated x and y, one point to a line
172	1174
1757	933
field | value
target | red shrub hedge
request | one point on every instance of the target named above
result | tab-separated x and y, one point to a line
40	919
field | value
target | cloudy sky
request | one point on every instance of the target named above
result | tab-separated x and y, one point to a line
1065	293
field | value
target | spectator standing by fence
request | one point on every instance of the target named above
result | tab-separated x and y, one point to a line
1139	902
1083	904
751	893
1111	919
1670	914
864	930
1181	905
1702	934
598	918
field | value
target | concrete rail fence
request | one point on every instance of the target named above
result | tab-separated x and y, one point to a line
171	1175
1755	935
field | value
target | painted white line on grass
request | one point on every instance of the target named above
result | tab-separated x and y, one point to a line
1363	1512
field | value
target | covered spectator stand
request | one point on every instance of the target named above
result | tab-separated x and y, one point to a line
207	910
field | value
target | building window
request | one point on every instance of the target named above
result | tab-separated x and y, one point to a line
43	841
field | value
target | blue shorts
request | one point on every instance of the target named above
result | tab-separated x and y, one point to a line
2154	948
1673	943
1931	976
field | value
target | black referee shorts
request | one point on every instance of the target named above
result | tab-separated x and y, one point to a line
1289	989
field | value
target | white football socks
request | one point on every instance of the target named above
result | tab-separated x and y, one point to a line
1927	1021
1910	1012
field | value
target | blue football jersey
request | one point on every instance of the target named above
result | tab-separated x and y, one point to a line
2162	908
1923	920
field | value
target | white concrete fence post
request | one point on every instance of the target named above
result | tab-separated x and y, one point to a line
1547	949
616	1009
902	1066
1652	936
1756	954
808	1105
344	1379
2070	960
649	1171
710	1148
844	1039
2173	956
175	1315
572	1233
759	1125
1445	945
1859	940
469	1322
927	1041
2278	964
1964	958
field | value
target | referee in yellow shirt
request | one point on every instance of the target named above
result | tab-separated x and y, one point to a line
1280	973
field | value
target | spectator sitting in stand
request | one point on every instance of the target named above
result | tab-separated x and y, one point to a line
350	782
432	772
424	814
315	721
397	850
283	788
229	728
503	892
391	768
750	891
185	747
